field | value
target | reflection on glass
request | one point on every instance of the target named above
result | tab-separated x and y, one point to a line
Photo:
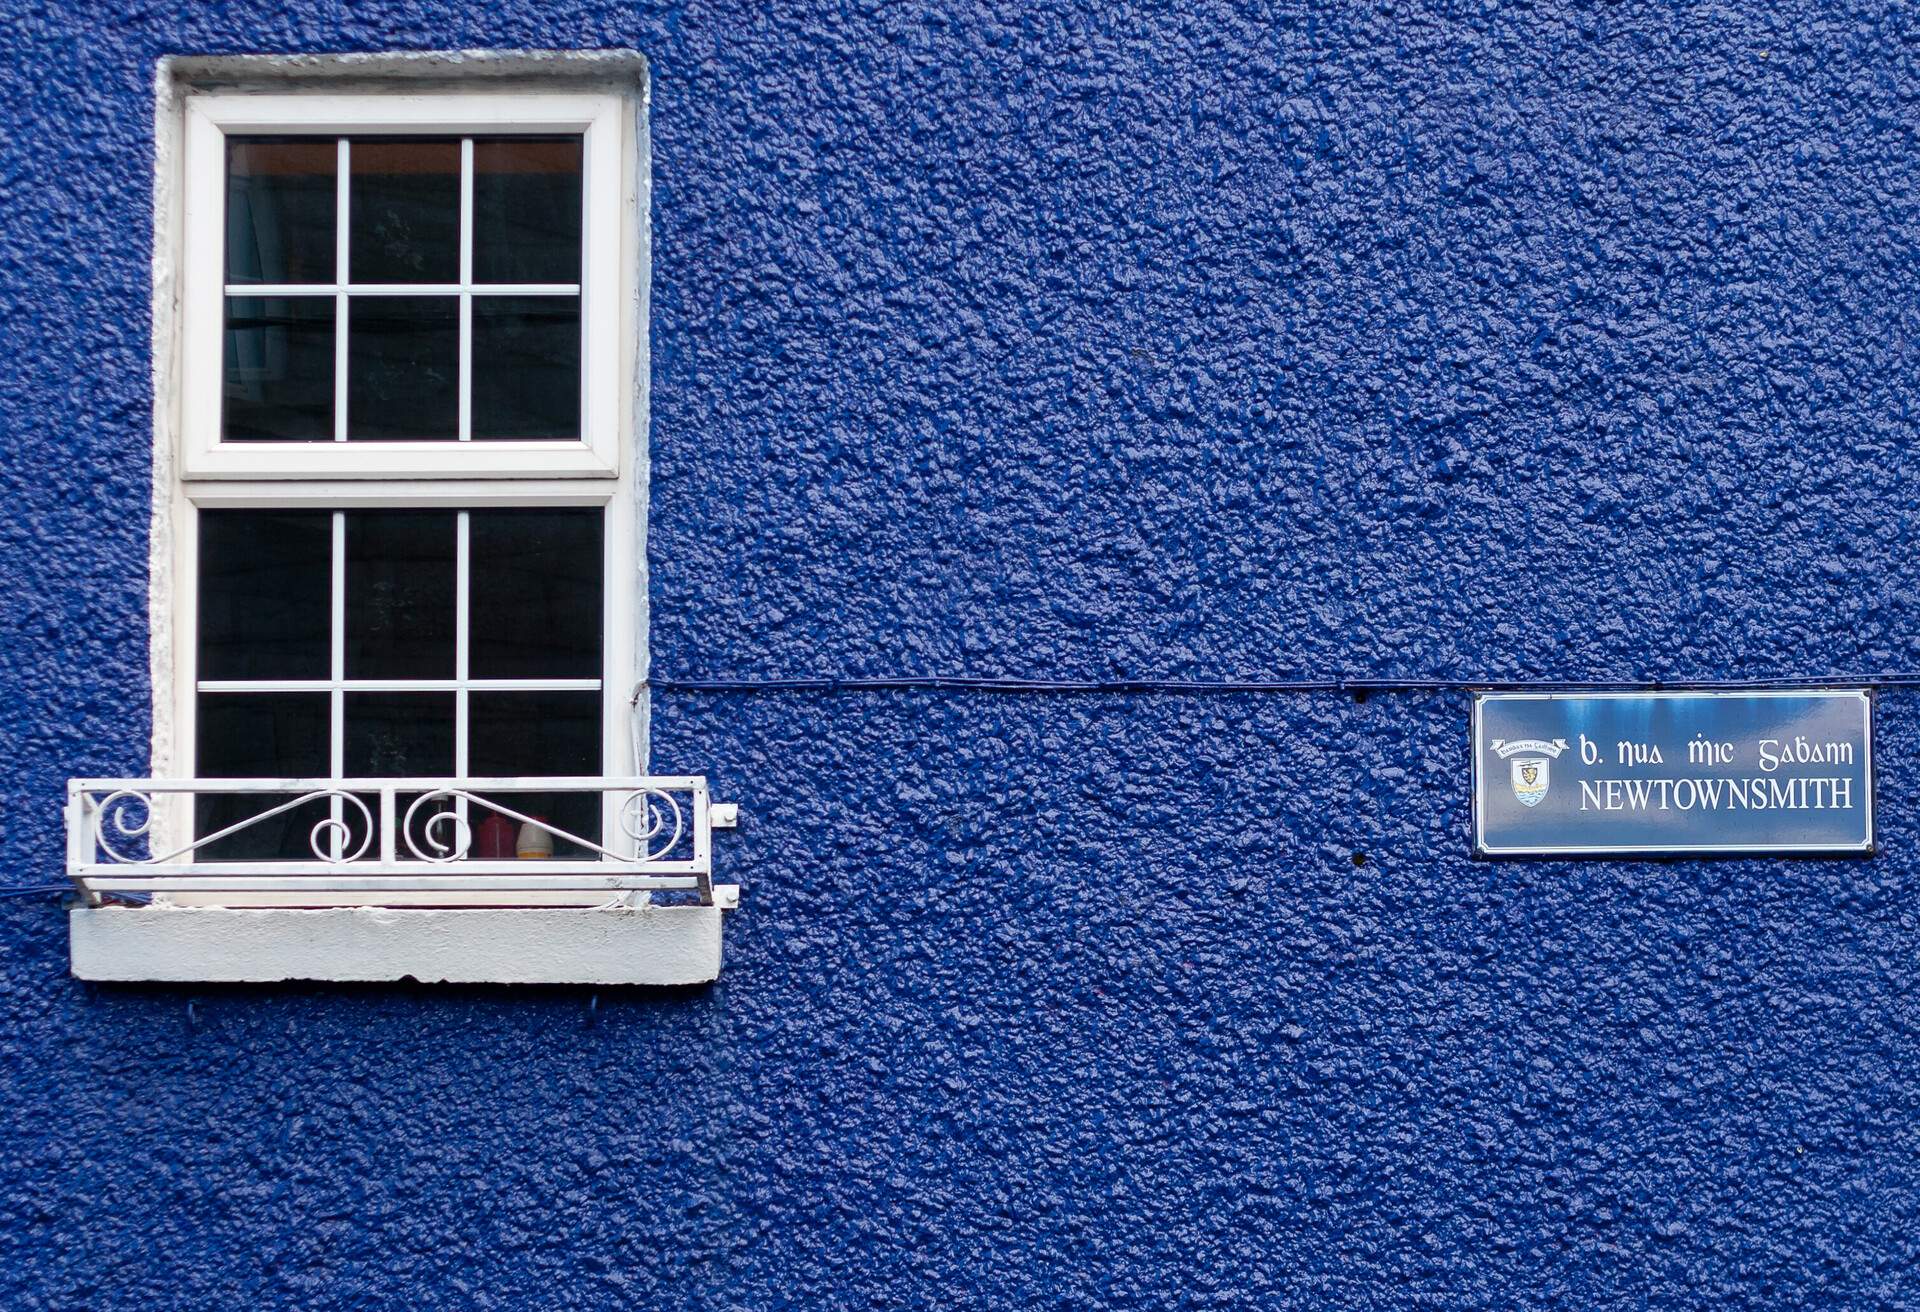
403	209
399	734
403	368
265	580
526	367
280	209
400	594
526	209
540	733
535	611
255	736
277	383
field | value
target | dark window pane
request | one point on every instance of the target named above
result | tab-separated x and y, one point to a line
400	594
534	733
278	735
535	610
280	208
526	367
526	209
278	381
265	580
403	209
403	367
540	733
399	734
262	735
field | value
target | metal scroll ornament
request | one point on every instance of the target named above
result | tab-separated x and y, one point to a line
445	835
329	833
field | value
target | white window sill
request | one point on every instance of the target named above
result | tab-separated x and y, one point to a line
504	945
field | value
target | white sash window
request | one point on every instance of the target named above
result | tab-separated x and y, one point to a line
418	298
397	586
390	286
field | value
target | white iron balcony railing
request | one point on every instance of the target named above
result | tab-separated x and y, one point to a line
370	837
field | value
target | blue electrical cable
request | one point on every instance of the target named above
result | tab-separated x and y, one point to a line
64	890
1341	684
1338	684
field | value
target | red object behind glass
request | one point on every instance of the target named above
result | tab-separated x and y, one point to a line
495	839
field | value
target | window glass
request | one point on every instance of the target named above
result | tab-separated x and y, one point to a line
281	205
541	733
414	696
400	594
536	602
526	209
535	733
279	369
526	367
397	735
403	368
394	734
259	735
403	208
458	316
265	577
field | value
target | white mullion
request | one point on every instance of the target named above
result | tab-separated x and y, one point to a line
465	375
398	288
398	685
342	202
337	665
462	615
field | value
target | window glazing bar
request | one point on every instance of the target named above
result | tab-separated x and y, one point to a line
398	685
463	377
337	660
255	289
342	214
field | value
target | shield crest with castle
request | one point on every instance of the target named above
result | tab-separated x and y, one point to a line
1530	779
1530	773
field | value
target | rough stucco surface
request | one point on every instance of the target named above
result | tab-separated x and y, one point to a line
1203	341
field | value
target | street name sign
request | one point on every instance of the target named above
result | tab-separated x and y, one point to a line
1673	773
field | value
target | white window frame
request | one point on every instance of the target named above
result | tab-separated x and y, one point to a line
620	750
195	471
622	744
608	188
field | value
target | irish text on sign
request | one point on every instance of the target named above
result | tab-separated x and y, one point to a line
1669	773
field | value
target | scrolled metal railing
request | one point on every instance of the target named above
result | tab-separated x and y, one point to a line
391	836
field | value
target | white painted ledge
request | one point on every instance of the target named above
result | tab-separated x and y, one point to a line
495	945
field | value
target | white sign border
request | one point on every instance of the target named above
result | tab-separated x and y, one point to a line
1481	851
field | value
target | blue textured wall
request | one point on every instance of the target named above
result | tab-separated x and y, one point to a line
1567	341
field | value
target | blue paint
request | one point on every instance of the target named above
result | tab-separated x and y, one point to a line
1103	343
1652	773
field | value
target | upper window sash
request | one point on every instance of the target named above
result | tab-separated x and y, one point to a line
607	279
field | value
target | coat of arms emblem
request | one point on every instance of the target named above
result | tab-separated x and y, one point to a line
1530	765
